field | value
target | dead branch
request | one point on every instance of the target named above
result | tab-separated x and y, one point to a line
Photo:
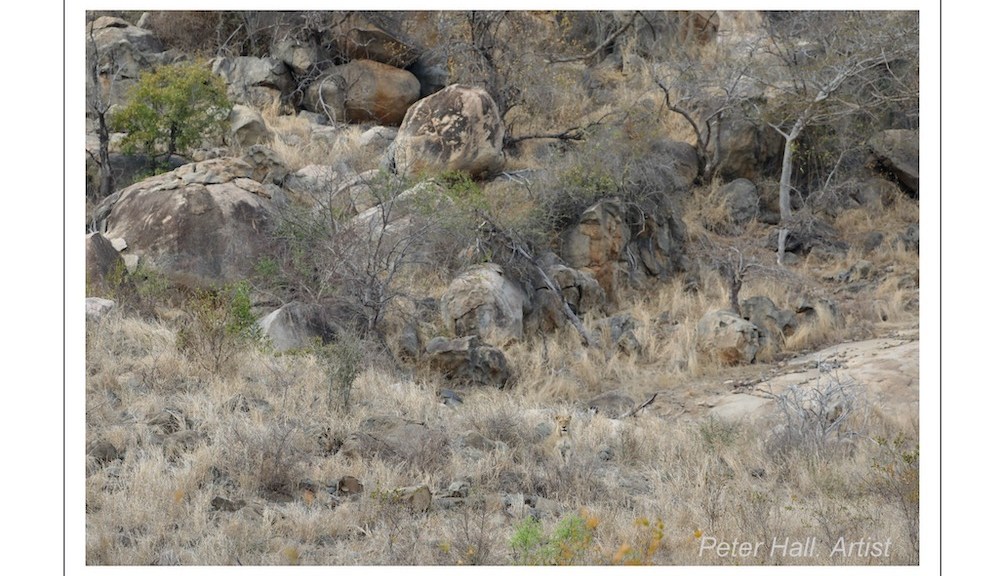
635	410
607	42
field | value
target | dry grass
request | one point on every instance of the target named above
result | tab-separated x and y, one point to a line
258	442
264	436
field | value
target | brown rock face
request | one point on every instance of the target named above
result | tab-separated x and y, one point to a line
458	128
103	261
364	91
597	243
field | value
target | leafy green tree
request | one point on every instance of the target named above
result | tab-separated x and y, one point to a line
173	110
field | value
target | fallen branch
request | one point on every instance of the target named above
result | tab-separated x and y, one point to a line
635	410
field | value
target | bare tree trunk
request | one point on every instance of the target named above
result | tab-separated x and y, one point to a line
104	157
785	183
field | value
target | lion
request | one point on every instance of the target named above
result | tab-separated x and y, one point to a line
560	444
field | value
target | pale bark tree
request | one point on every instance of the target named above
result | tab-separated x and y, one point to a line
822	67
102	70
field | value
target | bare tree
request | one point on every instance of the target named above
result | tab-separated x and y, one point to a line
823	67
100	75
716	91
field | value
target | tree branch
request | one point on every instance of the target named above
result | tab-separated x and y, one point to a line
597	50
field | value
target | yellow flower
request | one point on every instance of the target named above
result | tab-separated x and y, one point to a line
697	534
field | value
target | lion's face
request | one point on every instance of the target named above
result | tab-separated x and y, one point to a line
562	425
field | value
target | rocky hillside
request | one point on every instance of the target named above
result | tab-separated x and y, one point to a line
392	245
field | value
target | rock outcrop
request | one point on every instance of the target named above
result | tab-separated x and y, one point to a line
363	91
456	129
897	154
105	266
207	222
257	82
466	361
726	338
485	303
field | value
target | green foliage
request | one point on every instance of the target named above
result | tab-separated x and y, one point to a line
221	324
716	433
568	545
139	291
172	110
462	189
895	475
342	360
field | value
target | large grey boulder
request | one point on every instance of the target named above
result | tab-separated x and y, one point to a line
608	237
773	323
456	129
207	222
398	439
676	163
742	204
98	308
897	153
746	150
300	55
724	337
257	82
123	52
484	302
247	126
297	325
597	244
363	91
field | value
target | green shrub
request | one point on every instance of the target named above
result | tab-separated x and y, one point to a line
173	110
220	325
568	545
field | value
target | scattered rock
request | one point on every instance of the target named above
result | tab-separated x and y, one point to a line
465	361
104	452
226	505
725	337
449	397
773	323
256	82
105	267
911	237
247	126
296	325
97	308
416	498
178	443
349	486
742	202
300	55
612	404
